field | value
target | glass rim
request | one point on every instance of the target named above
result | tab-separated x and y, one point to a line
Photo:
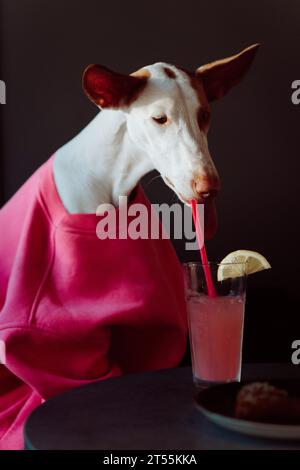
212	263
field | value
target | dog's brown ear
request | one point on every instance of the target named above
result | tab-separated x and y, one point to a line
109	89
218	77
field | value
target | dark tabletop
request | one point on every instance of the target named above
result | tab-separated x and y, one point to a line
153	410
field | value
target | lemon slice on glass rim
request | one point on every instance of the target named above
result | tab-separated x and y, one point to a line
253	262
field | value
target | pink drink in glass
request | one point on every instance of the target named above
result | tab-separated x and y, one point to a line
215	322
216	332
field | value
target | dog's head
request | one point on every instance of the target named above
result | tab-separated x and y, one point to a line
168	117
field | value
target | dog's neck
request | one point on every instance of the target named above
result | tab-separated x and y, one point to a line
100	164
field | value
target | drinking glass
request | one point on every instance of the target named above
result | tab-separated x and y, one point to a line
215	322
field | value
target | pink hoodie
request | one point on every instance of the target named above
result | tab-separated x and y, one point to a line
74	308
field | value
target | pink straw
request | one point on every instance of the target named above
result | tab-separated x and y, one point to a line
200	237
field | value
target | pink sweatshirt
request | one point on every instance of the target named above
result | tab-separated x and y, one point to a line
74	308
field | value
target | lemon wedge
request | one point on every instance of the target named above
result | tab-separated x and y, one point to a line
253	262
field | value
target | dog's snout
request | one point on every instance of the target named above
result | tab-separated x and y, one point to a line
208	194
205	188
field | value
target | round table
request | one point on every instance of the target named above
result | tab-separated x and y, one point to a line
152	410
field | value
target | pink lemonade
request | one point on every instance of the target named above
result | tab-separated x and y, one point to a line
216	333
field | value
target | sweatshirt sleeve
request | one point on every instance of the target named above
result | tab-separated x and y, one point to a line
51	364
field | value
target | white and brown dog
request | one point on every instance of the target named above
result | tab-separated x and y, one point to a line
76	309
156	118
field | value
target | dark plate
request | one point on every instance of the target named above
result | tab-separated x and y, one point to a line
217	404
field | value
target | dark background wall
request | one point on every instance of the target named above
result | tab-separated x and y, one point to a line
45	45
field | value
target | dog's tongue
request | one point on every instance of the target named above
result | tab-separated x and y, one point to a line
210	219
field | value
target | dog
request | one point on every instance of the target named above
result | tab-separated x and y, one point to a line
76	309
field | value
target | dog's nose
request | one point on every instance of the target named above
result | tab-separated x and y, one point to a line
208	194
205	188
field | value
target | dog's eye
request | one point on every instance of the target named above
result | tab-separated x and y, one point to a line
203	117
160	119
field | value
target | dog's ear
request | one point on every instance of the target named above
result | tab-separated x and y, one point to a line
218	77
109	89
